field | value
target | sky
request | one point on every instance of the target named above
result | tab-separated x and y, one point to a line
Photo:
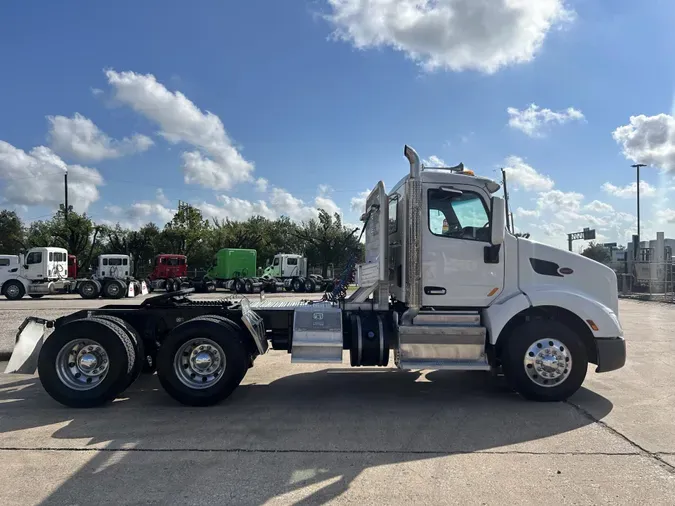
270	107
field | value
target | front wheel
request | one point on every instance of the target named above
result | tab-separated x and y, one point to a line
544	360
88	290
14	290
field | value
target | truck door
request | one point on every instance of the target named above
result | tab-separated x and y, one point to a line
455	233
35	265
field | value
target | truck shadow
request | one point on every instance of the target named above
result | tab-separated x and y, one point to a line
302	438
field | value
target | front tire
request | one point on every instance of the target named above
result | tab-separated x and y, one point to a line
14	290
86	363
36	295
202	361
544	360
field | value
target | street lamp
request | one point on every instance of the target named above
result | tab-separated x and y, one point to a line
637	166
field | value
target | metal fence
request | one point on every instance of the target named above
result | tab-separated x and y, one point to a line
646	280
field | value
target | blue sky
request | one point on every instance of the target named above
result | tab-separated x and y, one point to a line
313	101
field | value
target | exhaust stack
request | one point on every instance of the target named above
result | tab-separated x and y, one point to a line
413	287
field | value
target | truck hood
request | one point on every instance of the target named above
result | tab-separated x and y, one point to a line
543	267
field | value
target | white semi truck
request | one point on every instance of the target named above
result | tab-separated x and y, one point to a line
44	271
466	297
290	270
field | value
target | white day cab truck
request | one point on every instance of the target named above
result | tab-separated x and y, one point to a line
290	271
44	271
469	296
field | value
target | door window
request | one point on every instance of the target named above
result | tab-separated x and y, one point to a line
458	215
276	261
34	258
292	261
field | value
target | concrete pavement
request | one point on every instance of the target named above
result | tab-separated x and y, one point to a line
313	435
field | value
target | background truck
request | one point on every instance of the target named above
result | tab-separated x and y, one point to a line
170	273
41	271
234	269
44	271
472	297
291	269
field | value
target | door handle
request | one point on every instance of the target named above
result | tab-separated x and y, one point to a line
434	290
395	244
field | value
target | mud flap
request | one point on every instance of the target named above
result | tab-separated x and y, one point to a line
144	288
131	292
27	346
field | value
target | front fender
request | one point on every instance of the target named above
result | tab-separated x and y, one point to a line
606	321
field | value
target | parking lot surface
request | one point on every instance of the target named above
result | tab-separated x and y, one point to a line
305	434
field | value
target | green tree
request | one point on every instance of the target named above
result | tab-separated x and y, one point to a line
596	252
12	239
329	242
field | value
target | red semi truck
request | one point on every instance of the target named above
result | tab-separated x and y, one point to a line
170	272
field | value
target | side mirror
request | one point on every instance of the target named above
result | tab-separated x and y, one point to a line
25	266
497	221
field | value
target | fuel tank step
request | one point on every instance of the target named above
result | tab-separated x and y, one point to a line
439	346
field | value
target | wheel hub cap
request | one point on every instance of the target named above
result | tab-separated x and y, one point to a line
13	291
548	362
82	364
199	363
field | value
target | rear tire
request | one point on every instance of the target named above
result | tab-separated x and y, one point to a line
239	286
36	295
114	289
176	285
310	285
136	340
202	361
298	285
14	290
69	373
248	285
544	360
88	289
168	285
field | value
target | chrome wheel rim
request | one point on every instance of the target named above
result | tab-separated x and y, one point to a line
548	362
13	291
113	289
199	363
82	364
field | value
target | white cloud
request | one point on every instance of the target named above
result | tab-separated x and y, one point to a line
358	203
450	34
279	203
434	161
96	91
667	215
36	178
525	213
599	207
140	213
559	201
161	198
629	191
533	120
261	184
649	140
521	175
215	163
79	138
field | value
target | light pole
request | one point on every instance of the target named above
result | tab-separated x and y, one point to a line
637	166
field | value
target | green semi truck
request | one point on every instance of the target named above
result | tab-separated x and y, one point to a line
235	269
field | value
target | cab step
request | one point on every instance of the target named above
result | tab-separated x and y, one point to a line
443	346
448	318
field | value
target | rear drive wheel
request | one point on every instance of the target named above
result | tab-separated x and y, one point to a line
298	284
248	285
14	289
168	285
202	361
114	289
88	289
544	360
310	285
86	363
36	295
176	285
137	342
239	286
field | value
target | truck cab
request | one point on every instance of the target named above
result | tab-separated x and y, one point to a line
169	266
38	272
285	265
112	266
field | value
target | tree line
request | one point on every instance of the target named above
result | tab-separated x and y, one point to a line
325	241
